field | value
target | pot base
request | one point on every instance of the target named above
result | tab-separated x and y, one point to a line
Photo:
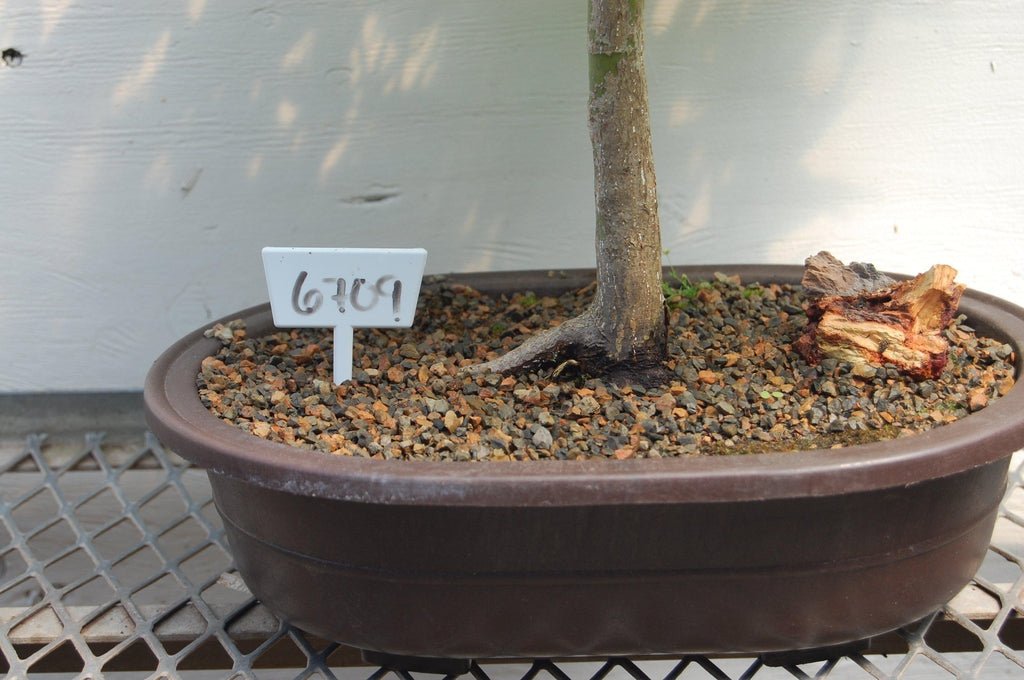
417	664
457	667
801	656
465	583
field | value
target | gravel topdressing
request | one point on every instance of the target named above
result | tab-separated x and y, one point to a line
739	387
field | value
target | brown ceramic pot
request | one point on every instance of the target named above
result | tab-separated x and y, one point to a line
757	553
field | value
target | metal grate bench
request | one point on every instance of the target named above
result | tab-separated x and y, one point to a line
113	559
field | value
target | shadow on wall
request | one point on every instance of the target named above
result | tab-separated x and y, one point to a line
155	147
160	145
303	116
174	140
742	94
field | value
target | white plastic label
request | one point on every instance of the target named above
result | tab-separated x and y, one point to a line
343	288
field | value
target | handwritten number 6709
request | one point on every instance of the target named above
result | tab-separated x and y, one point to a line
358	295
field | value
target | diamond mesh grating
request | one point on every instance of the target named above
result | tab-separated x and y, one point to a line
114	559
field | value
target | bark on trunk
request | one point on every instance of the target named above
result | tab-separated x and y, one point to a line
623	334
629	307
867	319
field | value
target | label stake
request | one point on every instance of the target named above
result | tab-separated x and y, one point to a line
343	288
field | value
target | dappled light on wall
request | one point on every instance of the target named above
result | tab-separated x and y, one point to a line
287	112
379	65
181	136
300	51
418	69
133	84
663	13
683	111
52	14
195	10
334	155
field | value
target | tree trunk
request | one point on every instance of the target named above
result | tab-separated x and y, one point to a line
623	334
629	305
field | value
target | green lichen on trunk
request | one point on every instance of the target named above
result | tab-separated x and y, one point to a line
600	66
605	55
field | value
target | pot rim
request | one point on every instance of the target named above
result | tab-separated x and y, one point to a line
178	418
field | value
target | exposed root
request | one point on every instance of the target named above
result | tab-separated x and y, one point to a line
577	342
551	347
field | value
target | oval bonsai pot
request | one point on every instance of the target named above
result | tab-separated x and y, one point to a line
756	553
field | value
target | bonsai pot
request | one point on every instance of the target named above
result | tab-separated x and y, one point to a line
756	553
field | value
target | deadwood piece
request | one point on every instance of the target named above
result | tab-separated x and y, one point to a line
858	315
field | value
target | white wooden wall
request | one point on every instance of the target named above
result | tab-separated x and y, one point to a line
150	148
